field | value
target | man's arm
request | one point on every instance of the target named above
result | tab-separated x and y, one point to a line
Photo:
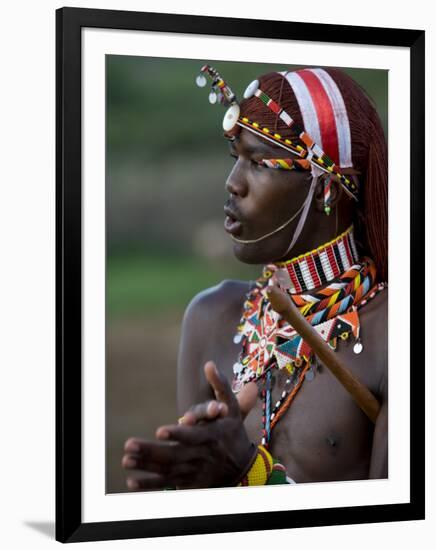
208	326
194	341
379	456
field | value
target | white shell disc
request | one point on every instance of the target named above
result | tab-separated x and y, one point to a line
237	368
213	97
237	338
251	89
357	347
231	117
201	81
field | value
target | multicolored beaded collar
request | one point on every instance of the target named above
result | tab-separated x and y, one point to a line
269	343
320	266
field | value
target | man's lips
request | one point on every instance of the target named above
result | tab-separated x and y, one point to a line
232	224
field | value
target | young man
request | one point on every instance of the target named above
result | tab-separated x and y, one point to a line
308	201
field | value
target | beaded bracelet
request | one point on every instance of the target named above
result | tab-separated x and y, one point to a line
264	470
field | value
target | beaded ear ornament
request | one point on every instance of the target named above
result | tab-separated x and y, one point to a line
309	153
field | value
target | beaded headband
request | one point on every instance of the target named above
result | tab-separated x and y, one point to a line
324	116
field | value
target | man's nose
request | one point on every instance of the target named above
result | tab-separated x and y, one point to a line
236	183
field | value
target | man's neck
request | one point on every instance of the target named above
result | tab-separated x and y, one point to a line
318	267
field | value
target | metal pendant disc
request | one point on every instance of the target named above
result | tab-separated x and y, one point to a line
237	338
357	348
201	81
237	367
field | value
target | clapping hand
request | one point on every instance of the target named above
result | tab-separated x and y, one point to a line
209	447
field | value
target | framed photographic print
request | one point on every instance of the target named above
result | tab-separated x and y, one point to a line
236	200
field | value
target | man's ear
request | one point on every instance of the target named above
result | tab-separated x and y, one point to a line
335	193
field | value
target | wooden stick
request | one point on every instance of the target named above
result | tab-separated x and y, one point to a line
283	305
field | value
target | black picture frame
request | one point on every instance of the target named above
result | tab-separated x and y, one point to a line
69	22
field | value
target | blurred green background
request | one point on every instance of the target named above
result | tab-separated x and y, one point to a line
166	166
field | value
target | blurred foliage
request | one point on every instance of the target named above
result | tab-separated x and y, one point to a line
155	283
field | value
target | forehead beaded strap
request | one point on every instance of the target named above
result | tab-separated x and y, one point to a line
286	164
323	162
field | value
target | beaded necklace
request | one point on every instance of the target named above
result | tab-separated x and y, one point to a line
269	343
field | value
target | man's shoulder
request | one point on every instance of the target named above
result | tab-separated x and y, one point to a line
209	323
216	301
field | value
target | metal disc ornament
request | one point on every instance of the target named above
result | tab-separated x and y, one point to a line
310	375
237	338
201	81
358	347
237	368
231	117
251	89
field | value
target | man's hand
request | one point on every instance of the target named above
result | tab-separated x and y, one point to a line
211	449
210	410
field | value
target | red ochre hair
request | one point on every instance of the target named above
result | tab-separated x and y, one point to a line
369	154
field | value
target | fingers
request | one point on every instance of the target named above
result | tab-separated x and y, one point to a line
221	387
209	410
280	302
155	450
160	457
198	435
182	476
247	398
162	464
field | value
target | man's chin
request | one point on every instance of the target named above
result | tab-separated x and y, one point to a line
251	253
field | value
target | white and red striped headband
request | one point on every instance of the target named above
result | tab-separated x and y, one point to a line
326	133
324	114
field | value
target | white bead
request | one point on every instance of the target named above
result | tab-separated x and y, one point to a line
237	367
213	98
251	89
237	338
231	117
357	348
201	81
